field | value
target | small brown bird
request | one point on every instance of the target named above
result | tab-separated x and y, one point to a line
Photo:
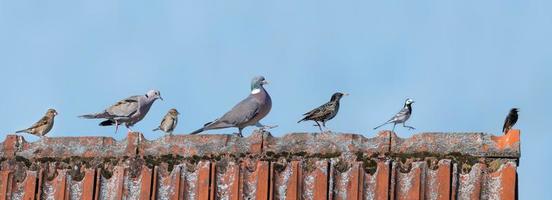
510	120
168	124
43	126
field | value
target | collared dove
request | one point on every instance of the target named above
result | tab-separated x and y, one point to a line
247	112
128	111
168	124
325	112
43	126
401	116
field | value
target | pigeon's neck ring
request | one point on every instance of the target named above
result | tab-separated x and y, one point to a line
255	91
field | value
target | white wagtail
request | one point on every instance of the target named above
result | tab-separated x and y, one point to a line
401	116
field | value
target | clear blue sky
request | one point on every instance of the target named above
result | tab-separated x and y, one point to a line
466	63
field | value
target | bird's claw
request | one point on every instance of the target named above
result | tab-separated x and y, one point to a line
266	127
238	134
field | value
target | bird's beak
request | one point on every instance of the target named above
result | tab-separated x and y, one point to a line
265	82
161	98
346	94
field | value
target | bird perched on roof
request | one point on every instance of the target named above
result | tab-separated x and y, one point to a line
168	124
43	126
247	112
401	116
510	120
325	112
128	111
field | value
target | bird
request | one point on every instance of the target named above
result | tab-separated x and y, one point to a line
325	112
128	111
43	126
248	112
401	116
510	120
168	124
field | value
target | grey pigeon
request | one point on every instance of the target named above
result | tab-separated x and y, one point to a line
247	112
128	111
401	116
510	120
43	126
168	124
325	112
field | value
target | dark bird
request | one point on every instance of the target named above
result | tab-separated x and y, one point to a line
128	111
510	120
247	112
43	126
325	112
402	116
168	124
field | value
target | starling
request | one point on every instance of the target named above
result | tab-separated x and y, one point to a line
248	112
401	116
325	112
43	126
168	124
510	120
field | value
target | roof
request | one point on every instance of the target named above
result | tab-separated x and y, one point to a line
297	165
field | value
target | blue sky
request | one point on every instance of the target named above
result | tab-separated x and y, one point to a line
466	63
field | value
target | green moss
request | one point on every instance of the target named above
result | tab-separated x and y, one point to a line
368	163
25	161
278	167
308	165
341	166
495	165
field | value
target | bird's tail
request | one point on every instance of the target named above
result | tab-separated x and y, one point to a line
94	116
304	119
156	129
381	125
204	128
197	131
22	131
108	122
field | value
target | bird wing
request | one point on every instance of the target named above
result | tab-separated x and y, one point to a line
125	107
321	111
506	124
241	113
42	122
400	116
167	122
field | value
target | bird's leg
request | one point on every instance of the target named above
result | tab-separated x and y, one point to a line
409	127
394	124
129	129
324	125
239	133
116	126
318	124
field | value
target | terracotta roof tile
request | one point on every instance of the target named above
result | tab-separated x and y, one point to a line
295	166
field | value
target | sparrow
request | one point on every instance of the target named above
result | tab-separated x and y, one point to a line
510	120
325	112
401	116
43	126
168	124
